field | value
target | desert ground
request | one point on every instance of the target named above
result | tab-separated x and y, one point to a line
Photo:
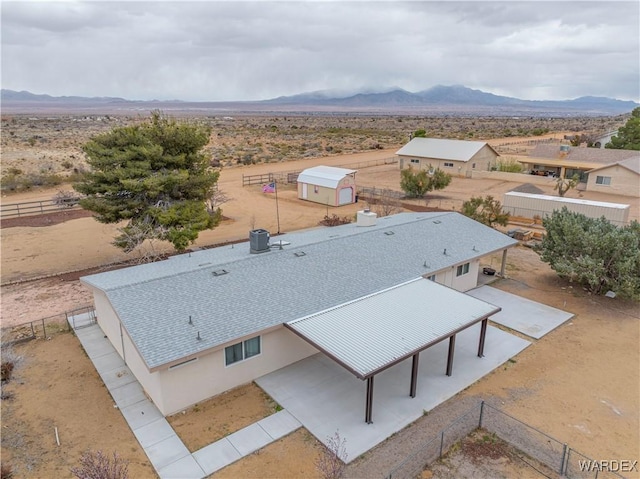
579	384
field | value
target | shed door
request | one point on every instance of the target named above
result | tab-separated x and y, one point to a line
346	196
304	191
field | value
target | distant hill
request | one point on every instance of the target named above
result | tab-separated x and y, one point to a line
439	100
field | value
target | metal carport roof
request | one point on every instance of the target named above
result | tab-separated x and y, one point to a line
377	331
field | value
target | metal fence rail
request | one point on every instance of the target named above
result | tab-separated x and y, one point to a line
291	177
27	208
554	454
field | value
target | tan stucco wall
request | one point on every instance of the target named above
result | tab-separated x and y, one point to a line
208	376
483	159
623	181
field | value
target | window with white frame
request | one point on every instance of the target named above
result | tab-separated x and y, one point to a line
414	161
432	277
473	166
242	350
462	269
603	180
448	164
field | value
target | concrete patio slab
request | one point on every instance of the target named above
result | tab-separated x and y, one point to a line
118	377
215	456
108	362
165	452
184	468
128	394
140	414
326	398
94	342
249	439
154	432
279	424
520	314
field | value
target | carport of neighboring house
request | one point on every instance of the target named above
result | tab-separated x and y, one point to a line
374	333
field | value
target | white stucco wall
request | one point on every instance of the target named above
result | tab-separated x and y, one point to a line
623	181
462	283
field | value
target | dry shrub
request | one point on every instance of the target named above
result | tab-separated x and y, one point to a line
335	220
6	471
332	459
96	465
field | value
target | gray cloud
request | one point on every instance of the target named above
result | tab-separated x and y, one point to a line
256	50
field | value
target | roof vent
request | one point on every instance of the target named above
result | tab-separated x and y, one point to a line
300	253
219	272
366	218
258	241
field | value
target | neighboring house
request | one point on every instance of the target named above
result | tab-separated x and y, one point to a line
195	325
566	161
620	178
327	185
456	157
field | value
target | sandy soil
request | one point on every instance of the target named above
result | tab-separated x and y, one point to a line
579	383
204	423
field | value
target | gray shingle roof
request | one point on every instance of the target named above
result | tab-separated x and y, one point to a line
443	149
597	156
260	291
632	164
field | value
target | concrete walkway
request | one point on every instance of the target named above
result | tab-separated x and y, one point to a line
166	451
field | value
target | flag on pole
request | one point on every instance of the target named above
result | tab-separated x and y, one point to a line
270	188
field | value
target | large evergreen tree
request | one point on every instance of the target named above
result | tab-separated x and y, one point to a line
593	252
156	176
628	137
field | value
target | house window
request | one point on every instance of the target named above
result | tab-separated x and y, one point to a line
316	188
603	180
241	351
462	269
448	164
432	277
473	166
414	161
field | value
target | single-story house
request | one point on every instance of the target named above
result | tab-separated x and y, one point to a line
620	178
457	157
197	324
566	161
327	185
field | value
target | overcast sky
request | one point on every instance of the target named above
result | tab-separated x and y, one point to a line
235	50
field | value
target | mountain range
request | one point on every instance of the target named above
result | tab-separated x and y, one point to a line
439	100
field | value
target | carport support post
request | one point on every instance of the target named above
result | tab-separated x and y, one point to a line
483	334
452	347
503	266
414	375
368	414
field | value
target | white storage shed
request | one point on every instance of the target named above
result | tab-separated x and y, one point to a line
327	185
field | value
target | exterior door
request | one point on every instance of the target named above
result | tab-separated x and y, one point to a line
304	191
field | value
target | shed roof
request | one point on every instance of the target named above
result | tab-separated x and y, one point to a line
631	164
260	291
374	332
437	148
327	176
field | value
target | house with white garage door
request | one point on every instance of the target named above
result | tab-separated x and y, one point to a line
198	324
327	185
456	157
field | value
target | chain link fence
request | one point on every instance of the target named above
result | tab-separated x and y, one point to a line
77	318
556	455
